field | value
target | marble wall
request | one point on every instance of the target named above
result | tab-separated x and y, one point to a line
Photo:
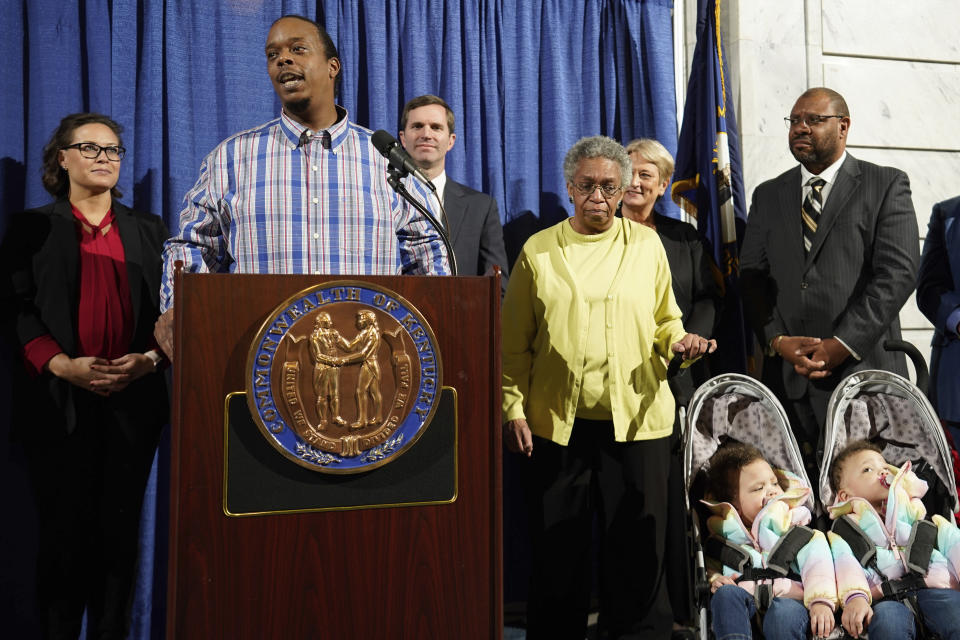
896	63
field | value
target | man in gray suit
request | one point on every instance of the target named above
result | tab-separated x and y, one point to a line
829	257
427	133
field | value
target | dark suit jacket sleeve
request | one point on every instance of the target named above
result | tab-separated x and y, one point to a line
894	258
492	251
937	295
706	294
757	286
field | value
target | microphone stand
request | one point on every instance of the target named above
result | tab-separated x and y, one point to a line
394	176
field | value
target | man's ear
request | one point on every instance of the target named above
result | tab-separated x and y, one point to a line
453	138
333	64
844	127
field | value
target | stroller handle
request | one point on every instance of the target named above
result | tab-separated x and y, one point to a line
674	367
919	364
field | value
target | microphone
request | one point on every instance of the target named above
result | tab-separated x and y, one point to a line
398	157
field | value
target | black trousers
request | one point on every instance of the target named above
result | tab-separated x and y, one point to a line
89	490
625	486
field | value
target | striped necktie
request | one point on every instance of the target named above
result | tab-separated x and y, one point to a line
810	212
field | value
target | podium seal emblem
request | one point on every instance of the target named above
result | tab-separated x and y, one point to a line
343	377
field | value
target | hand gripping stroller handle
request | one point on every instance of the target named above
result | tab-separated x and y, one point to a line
674	367
919	364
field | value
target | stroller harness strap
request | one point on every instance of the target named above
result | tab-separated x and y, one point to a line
781	556
919	549
916	554
788	546
863	548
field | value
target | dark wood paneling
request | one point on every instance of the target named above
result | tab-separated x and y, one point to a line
403	572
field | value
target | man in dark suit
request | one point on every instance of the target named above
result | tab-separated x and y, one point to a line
938	296
427	133
829	257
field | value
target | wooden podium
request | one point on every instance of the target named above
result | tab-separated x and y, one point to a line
423	569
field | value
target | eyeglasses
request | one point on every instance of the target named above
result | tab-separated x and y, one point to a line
811	119
92	150
587	189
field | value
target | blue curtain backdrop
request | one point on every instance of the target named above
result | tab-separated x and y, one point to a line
526	78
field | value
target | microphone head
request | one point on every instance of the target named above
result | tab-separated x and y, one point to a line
383	142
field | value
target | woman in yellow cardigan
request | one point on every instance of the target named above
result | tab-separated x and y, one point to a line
589	324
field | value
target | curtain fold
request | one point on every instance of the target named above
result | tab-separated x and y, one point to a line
525	78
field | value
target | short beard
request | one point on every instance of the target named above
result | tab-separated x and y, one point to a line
297	106
806	158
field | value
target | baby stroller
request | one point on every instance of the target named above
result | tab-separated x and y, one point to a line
737	407
890	411
894	413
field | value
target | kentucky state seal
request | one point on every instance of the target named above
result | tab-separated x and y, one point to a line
343	377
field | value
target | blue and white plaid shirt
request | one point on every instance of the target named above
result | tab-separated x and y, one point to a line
265	204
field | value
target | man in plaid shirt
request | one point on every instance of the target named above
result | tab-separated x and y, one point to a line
303	193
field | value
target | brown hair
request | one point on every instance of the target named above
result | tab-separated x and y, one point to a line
422	101
55	178
725	466
836	467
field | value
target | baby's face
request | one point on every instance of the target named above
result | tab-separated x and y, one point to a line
758	484
864	475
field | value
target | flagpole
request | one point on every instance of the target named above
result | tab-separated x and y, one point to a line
680	76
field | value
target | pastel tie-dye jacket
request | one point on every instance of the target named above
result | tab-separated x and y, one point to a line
813	563
890	533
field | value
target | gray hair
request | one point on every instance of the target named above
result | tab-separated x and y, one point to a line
598	147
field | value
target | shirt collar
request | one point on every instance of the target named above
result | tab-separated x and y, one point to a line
293	129
828	174
440	183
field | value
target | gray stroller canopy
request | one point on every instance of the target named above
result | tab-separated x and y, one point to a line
880	405
741	408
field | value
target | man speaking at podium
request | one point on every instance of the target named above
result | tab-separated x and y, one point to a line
304	193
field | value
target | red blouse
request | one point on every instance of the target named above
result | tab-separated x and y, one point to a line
104	312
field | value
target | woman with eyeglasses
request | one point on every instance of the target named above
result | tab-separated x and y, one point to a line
82	280
589	324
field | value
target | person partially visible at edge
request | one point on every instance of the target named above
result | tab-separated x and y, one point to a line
80	280
305	193
427	133
938	298
585	398
698	297
829	258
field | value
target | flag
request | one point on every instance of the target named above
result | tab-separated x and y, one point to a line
708	182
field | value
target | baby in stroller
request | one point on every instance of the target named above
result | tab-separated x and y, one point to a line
768	556
908	565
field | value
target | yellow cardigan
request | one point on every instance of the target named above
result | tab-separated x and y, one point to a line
545	326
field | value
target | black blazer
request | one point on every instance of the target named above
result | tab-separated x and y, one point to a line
860	271
475	231
695	291
40	267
